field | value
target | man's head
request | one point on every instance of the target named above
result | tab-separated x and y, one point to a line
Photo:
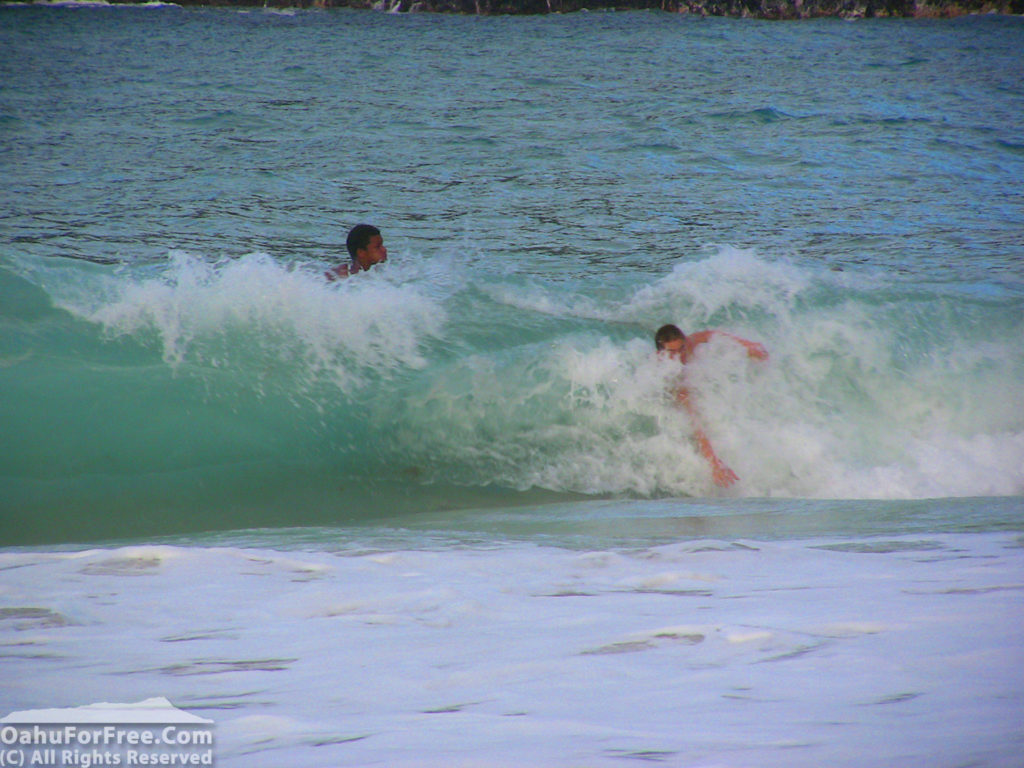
366	245
670	340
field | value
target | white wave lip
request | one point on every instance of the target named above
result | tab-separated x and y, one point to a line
873	390
223	314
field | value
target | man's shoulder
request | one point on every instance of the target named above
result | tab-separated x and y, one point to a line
700	337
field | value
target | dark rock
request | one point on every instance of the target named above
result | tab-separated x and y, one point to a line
757	9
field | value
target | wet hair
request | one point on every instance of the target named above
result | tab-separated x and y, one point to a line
665	334
359	237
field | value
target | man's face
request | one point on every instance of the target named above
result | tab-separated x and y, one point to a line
673	348
373	253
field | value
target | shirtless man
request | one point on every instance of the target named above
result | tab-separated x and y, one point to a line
671	341
365	248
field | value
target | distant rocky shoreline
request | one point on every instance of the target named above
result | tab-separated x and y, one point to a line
754	9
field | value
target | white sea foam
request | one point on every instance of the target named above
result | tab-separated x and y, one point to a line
591	415
221	314
855	401
698	652
730	281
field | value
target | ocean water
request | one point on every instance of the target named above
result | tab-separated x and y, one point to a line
445	512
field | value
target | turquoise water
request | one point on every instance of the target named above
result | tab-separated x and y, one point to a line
551	190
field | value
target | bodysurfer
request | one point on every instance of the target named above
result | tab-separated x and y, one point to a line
671	341
365	248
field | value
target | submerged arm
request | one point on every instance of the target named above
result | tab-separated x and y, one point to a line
337	273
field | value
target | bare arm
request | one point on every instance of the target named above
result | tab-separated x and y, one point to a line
694	340
754	350
720	473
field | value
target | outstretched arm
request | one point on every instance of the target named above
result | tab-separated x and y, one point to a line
720	473
694	340
754	350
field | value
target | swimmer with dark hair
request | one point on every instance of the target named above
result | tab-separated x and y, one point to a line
673	343
365	248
